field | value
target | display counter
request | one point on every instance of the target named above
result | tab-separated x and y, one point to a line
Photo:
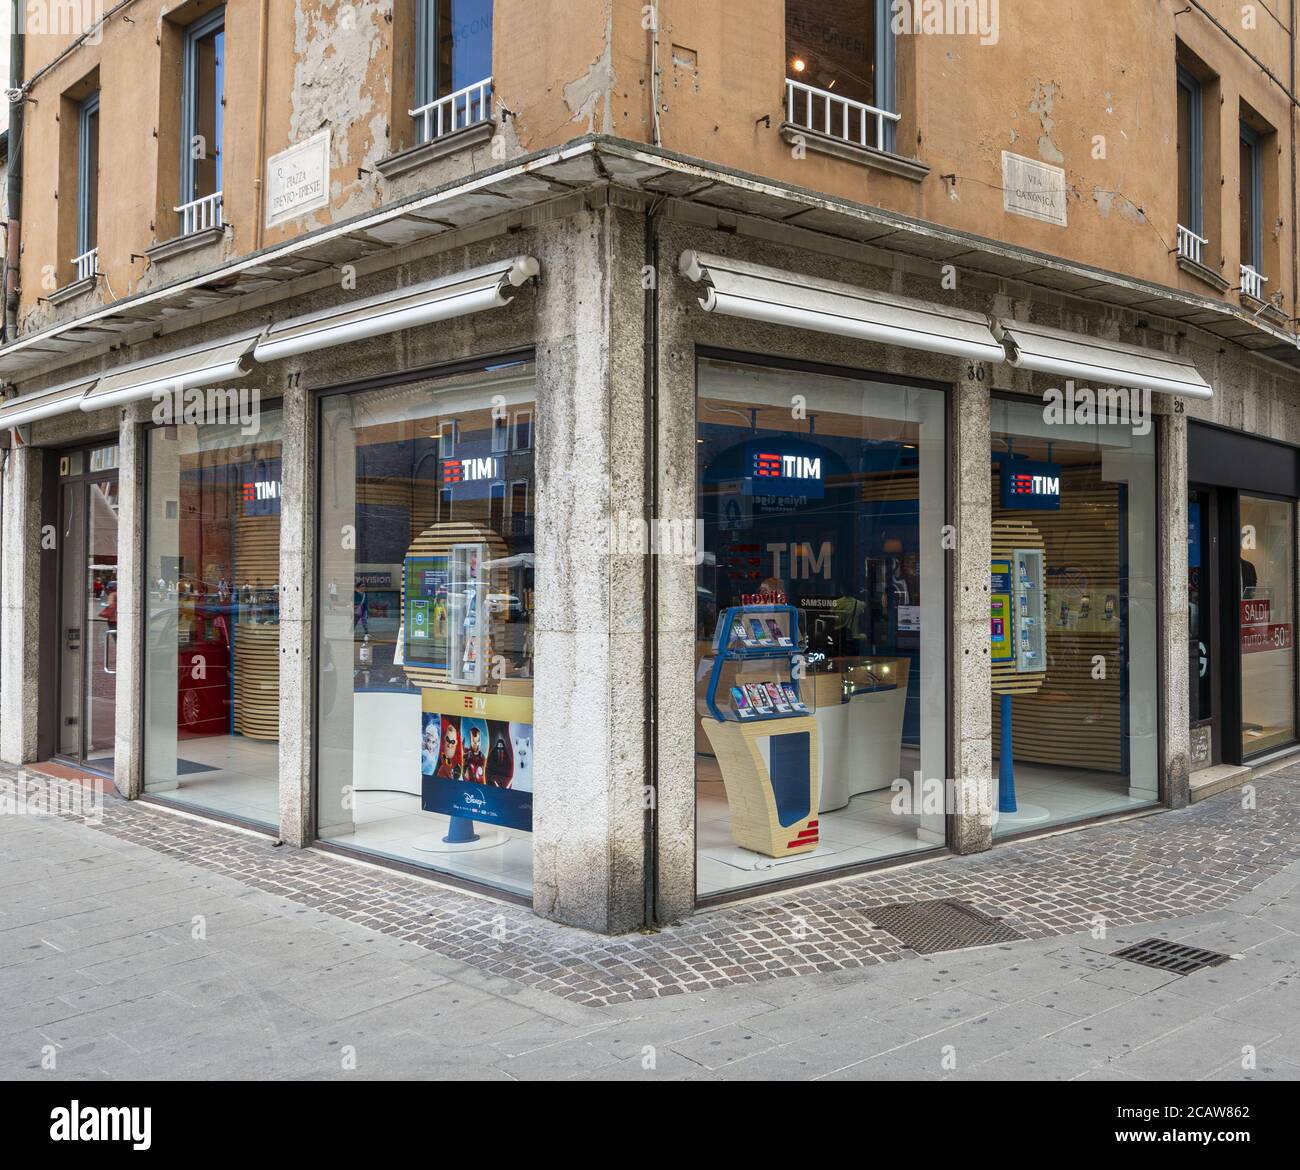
859	726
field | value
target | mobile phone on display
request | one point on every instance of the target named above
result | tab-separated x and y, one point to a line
760	635
778	699
743	706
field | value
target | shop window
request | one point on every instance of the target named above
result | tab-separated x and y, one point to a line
424	738
1074	617
212	691
1267	576
840	70
821	623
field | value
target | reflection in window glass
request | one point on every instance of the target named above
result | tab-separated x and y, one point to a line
1084	736
1267	622
425	684
821	622
212	686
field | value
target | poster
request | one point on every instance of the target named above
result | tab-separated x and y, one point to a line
1001	644
476	757
424	629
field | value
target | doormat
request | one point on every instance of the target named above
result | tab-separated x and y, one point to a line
941	924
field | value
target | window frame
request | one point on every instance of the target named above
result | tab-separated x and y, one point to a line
195	32
1190	83
1253	142
87	233
886	72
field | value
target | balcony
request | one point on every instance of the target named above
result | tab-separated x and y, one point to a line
201	215
87	264
1190	245
85	271
457	111
1252	282
821	120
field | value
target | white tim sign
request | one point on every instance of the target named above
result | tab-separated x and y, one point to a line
298	179
1033	188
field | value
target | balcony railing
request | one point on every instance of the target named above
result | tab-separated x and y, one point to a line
454	112
200	214
1190	245
826	113
87	264
1252	282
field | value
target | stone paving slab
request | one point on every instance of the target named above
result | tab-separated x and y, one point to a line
1145	870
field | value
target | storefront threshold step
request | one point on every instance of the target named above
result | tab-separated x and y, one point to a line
1219	778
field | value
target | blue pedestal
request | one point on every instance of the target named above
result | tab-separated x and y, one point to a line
1006	769
460	831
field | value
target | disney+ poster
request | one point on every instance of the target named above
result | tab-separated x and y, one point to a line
477	768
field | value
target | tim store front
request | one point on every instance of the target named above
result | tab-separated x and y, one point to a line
825	600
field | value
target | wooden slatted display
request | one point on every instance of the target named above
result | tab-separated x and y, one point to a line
1011	532
1076	719
257	644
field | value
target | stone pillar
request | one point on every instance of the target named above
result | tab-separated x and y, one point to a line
589	706
971	716
297	591
1171	484
677	718
20	623
132	603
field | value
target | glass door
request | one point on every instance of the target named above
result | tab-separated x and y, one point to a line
88	600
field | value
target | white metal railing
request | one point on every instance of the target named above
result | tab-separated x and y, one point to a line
826	113
200	214
1190	244
454	112
1252	282
87	264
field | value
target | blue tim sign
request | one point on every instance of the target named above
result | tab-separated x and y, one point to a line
1030	486
774	472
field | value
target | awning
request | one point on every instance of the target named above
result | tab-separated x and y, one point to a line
206	365
488	287
760	293
60	399
1074	355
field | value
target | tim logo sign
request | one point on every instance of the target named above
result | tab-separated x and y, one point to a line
778	473
1035	486
457	471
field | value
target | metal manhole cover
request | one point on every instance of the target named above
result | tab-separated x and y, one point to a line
942	924
1176	958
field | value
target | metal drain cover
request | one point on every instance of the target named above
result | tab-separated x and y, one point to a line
940	925
1176	958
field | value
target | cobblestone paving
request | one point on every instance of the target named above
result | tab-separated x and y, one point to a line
1146	870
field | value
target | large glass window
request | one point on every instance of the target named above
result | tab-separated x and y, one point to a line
212	685
425	687
821	623
1267	566
1074	616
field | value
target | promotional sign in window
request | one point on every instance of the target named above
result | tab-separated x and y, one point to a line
1259	632
426	612
1002	647
1031	486
476	757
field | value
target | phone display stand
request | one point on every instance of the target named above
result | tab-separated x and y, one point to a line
762	731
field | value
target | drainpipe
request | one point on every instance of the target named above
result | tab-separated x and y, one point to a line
14	213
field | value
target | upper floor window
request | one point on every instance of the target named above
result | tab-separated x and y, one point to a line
453	65
86	260
840	71
203	104
1250	156
1191	151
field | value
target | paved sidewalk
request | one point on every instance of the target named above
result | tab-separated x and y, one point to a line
137	949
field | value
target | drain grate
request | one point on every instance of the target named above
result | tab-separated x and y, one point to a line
942	924
1176	958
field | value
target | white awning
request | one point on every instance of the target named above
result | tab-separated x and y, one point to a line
206	365
60	399
488	287
759	293
1112	363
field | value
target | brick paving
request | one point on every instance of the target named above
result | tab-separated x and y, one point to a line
1150	869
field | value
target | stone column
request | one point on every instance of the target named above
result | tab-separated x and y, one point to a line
20	623
589	818
971	716
297	591
132	603
1171	484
